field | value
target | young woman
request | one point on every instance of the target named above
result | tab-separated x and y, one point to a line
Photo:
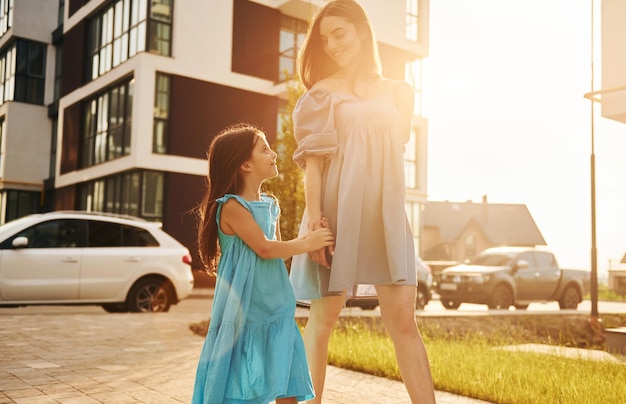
253	351
351	126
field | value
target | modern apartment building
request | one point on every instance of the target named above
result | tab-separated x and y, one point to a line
109	105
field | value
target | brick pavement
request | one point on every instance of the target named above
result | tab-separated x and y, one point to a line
96	357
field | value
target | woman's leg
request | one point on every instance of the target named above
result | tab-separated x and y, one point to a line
323	316
397	308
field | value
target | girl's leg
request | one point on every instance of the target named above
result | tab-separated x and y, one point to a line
286	400
323	315
397	308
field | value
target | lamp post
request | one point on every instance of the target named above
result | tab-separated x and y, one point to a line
595	323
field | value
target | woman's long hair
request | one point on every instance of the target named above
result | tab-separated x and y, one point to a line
313	62
228	151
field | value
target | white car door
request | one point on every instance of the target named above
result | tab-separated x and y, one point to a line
109	264
47	268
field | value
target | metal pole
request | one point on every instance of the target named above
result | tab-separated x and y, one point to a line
594	254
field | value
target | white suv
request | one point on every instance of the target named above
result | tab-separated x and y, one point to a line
122	263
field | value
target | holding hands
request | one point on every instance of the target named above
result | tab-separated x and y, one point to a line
323	255
318	239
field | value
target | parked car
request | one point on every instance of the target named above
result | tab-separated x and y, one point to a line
501	277
367	299
120	262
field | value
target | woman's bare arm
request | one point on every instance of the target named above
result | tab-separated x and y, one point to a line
313	197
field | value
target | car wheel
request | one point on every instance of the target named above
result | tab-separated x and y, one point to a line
150	295
115	308
569	299
521	306
450	304
501	298
421	300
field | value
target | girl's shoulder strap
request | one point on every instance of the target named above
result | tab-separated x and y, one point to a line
239	199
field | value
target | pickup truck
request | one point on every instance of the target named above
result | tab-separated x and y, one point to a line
501	277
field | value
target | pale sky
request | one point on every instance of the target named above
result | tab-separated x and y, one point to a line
503	91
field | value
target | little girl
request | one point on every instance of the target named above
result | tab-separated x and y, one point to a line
253	351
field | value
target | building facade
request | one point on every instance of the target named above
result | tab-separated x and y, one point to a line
110	105
612	95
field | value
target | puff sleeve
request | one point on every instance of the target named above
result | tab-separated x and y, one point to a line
314	126
405	100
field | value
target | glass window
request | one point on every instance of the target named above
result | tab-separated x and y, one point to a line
52	234
292	33
136	237
130	194
527	256
60	15
7	74
125	28
21	203
160	23
152	198
6	16
545	260
22	72
2	127
412	20
53	147
161	114
470	246
103	234
107	125
58	71
125	193
413	75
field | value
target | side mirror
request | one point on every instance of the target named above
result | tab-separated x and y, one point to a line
522	264
20	242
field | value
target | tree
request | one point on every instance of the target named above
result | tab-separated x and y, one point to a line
288	187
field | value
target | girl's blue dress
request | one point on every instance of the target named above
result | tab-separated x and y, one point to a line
253	351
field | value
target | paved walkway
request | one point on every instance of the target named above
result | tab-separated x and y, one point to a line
78	358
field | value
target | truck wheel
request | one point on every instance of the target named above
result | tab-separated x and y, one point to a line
501	298
450	304
570	298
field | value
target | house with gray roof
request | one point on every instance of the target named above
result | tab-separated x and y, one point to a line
455	231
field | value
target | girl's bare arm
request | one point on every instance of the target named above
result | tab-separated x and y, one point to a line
235	219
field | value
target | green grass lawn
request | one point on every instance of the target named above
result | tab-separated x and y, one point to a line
604	294
468	361
466	357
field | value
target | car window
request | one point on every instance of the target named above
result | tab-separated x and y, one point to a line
51	234
544	260
103	234
529	257
136	237
490	260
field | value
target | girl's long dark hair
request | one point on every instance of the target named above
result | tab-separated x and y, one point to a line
227	152
313	62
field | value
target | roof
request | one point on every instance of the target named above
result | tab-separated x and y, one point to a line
502	223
